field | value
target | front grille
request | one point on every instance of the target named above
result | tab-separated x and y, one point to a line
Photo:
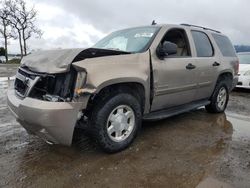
24	73
20	87
25	81
44	86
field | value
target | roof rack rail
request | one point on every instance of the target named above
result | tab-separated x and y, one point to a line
205	28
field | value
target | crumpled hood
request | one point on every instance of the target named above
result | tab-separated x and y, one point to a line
51	61
59	61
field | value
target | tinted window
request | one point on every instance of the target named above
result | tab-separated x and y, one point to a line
224	45
202	44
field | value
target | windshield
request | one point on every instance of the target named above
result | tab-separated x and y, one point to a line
244	58
129	40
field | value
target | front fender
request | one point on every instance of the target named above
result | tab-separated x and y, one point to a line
110	70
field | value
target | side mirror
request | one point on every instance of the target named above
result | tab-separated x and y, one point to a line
166	49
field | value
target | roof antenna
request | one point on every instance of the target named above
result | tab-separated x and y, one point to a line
153	22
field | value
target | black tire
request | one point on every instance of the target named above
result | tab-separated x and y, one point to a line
213	107
99	117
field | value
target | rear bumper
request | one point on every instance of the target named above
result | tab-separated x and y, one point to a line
52	121
235	81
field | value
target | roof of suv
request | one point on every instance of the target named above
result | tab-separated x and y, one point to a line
201	28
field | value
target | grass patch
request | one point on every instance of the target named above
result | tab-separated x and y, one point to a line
14	61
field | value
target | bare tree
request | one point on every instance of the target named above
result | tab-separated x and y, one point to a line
5	29
15	21
28	26
23	21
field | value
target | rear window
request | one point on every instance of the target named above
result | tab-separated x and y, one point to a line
202	44
224	45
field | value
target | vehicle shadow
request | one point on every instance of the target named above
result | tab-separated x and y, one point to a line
243	90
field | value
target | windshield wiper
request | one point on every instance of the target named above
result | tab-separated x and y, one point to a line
114	49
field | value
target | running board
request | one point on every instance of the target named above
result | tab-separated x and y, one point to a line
162	114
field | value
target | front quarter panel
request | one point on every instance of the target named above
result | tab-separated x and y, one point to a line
109	70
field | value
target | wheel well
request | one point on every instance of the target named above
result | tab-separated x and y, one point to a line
228	77
134	88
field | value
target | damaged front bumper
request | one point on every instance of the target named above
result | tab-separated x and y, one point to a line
52	121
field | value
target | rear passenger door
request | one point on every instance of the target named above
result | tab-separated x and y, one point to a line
206	64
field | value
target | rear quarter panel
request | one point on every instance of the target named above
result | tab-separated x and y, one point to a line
227	64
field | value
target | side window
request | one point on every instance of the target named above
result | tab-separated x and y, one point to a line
202	44
224	45
178	37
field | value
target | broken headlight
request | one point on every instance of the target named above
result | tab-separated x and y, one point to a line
80	82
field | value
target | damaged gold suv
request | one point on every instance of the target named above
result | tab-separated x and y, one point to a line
142	73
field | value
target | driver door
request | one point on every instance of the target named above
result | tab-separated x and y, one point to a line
175	75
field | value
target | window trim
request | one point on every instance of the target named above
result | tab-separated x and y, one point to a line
213	50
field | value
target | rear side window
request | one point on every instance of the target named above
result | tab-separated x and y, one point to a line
202	44
224	45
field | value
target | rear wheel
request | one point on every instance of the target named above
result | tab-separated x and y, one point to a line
219	98
115	122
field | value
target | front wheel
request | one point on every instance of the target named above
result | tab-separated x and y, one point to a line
116	121
219	98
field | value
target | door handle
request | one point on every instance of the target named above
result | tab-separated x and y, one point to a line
190	66
216	64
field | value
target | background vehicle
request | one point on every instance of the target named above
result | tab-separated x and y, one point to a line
244	70
149	73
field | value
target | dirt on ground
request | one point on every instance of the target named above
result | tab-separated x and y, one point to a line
194	149
8	70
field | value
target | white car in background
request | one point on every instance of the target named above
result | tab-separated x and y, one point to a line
244	70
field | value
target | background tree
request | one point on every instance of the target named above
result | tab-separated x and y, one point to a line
5	29
242	48
28	27
15	21
2	51
23	20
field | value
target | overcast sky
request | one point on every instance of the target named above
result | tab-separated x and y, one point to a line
81	23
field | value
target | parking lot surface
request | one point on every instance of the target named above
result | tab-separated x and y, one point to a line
194	149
